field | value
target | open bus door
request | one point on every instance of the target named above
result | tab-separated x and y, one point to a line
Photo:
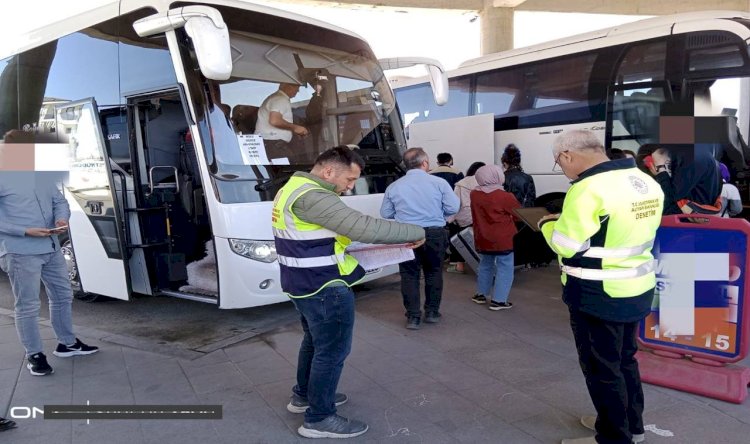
96	232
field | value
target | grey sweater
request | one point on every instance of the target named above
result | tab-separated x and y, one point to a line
326	209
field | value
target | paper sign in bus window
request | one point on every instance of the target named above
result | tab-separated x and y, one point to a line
252	149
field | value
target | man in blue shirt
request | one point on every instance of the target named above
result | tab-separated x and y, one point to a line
32	213
421	199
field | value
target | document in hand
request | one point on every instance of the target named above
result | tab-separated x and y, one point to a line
531	216
373	256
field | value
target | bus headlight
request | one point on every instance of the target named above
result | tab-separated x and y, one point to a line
263	251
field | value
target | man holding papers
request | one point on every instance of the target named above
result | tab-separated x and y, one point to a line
312	227
426	200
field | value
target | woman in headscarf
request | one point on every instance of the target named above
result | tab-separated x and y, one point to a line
462	219
494	227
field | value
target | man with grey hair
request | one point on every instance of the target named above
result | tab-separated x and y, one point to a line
603	239
421	199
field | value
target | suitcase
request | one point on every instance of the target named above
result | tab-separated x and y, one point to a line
463	242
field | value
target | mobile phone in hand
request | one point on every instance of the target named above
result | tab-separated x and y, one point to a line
58	230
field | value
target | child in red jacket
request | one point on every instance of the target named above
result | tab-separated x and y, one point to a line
494	228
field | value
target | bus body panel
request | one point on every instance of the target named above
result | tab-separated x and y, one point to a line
472	143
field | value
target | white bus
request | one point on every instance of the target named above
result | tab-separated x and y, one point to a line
146	110
616	82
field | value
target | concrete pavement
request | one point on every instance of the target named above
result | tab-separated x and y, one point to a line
478	376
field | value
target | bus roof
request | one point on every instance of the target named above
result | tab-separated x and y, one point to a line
641	29
43	20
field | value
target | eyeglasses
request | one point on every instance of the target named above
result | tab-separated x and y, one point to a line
556	167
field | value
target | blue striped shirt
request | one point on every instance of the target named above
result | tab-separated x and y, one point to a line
29	200
421	199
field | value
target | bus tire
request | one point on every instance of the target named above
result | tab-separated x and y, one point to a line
66	247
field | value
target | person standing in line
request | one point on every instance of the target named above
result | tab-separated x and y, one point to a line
276	122
462	219
603	239
312	227
446	171
731	202
494	228
32	213
425	200
517	182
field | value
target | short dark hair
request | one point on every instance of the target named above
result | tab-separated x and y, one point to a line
340	155
444	158
511	156
473	168
617	153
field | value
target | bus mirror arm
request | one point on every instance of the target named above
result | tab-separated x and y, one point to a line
438	78
206	28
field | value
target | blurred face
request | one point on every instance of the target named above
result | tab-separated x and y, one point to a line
290	90
342	177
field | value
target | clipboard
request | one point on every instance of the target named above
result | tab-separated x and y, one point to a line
530	216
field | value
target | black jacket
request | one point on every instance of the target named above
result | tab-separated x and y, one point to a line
521	185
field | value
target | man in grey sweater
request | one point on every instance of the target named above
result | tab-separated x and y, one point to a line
312	227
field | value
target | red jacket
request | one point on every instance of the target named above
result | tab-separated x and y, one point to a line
494	221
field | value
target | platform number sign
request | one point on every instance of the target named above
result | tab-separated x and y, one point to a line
699	302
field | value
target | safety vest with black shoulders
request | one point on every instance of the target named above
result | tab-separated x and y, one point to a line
604	238
310	256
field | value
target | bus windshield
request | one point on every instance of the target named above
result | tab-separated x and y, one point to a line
342	98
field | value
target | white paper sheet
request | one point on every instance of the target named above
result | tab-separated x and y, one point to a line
253	150
373	256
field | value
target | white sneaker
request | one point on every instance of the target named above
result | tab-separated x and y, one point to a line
589	422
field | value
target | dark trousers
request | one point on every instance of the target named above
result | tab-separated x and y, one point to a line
328	321
427	258
454	229
606	352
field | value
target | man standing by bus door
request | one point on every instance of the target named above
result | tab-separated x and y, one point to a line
425	200
32	213
603	239
312	227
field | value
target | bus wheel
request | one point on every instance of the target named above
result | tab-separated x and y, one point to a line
75	280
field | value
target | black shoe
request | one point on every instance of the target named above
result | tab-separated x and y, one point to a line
432	317
38	366
500	305
413	323
479	299
79	348
6	424
298	404
334	426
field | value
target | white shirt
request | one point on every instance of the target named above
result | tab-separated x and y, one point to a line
730	197
280	103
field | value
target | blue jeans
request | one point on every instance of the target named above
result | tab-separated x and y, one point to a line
497	268
25	272
328	321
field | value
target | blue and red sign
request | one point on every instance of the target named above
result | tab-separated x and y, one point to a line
700	304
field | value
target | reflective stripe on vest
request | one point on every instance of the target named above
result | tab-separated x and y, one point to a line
563	240
593	274
621	252
303	235
306	262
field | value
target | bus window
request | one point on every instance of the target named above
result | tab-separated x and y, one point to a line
496	91
559	87
713	50
643	63
635	117
417	104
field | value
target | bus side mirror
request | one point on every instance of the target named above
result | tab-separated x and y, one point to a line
206	28
438	78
